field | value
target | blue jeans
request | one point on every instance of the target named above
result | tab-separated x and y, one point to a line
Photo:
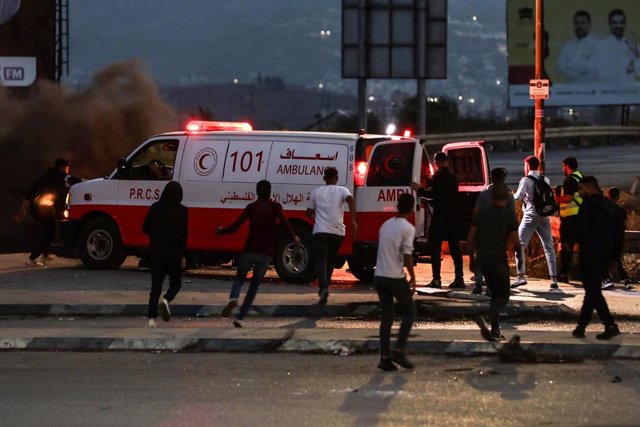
542	227
260	263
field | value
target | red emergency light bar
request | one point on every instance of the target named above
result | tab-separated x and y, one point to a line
209	126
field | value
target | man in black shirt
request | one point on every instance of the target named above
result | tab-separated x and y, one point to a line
491	230
444	222
599	250
45	202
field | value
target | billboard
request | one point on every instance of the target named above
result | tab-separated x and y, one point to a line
591	51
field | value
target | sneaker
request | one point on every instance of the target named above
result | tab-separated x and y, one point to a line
237	323
563	278
484	330
497	336
628	287
520	281
324	296
151	323
609	332
228	309
399	358
435	283
33	263
387	365
457	284
164	310
578	332
555	289
607	285
477	290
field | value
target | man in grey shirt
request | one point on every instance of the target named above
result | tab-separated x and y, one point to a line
533	223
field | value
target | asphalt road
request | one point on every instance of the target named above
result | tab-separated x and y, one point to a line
143	389
613	166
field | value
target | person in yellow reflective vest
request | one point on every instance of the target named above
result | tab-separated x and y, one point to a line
569	201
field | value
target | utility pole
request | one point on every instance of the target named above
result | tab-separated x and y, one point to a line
538	125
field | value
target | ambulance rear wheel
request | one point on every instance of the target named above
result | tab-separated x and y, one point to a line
362	269
294	262
99	244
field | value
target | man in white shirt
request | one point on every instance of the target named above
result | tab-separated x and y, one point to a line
329	229
618	54
533	223
394	254
576	59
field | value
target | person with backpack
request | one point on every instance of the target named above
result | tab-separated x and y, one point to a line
538	203
569	201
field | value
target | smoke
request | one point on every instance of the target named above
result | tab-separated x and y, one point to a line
92	127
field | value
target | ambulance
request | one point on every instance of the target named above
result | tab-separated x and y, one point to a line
218	165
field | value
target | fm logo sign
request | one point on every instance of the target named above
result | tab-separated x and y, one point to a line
205	161
13	73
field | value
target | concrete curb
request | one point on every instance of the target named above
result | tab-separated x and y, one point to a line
434	310
360	341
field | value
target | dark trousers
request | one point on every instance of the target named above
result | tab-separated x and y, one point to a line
592	271
260	263
388	289
47	222
568	227
496	274
164	262
325	250
439	230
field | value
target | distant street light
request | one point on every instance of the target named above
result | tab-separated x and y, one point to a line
460	98
498	82
320	86
235	81
391	129
475	18
372	98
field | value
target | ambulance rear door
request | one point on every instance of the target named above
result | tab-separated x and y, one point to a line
390	168
470	163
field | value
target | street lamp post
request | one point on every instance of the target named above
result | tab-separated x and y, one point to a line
538	125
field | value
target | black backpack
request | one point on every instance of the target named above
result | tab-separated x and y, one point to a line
544	201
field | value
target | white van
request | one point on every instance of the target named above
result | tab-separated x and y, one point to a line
218	165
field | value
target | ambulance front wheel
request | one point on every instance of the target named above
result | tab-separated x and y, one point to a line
294	262
100	245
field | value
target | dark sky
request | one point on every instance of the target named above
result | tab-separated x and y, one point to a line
195	41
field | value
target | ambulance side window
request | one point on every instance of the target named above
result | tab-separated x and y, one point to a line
466	164
391	165
154	162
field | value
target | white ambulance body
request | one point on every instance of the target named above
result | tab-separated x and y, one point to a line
218	170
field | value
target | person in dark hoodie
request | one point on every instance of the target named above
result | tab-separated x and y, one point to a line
166	224
599	250
45	202
265	216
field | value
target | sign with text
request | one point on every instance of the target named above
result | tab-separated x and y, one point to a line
538	89
17	70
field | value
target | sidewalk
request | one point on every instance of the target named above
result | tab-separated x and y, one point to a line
65	288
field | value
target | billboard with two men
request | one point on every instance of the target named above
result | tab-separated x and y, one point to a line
591	51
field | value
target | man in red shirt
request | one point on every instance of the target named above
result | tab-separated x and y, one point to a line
264	217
